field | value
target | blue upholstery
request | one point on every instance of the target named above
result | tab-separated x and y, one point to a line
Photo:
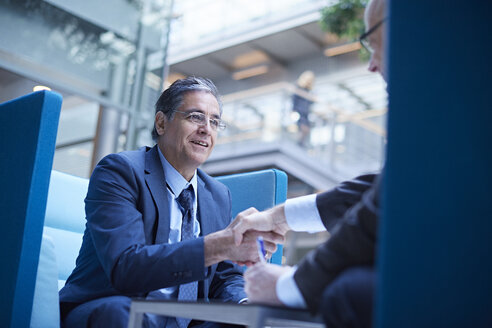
65	219
27	140
45	307
65	222
260	189
63	229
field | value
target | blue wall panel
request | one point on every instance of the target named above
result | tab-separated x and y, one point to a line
435	255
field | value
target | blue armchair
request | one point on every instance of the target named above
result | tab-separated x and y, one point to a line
65	224
27	142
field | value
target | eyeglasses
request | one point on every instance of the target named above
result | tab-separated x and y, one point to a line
364	40
201	119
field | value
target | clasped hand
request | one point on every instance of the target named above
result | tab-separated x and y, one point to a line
251	223
237	242
246	253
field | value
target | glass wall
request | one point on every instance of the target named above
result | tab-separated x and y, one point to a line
347	120
102	56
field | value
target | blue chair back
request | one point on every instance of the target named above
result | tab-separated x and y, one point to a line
260	189
27	142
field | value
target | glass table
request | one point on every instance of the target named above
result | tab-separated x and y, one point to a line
251	315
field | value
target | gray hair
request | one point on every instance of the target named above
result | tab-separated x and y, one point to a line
172	98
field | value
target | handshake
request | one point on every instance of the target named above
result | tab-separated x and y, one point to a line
237	242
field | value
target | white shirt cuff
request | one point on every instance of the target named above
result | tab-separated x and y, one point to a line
287	290
302	214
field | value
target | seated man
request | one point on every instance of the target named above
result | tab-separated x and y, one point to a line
157	226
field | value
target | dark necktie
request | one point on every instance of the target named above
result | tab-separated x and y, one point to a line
187	292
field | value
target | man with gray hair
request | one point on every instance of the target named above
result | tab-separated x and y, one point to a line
337	279
157	226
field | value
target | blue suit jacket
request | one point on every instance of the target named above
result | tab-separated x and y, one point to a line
125	249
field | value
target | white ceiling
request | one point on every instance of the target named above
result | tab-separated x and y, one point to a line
282	48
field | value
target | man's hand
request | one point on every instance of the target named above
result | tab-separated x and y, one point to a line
251	219
261	280
220	246
247	252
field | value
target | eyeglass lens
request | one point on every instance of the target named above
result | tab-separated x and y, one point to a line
201	119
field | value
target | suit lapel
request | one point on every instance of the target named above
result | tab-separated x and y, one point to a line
155	179
156	182
206	209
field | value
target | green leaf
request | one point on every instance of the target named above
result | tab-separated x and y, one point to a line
344	19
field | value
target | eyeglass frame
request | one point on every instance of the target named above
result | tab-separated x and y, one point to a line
220	124
363	38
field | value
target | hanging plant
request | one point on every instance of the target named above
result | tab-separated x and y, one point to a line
345	19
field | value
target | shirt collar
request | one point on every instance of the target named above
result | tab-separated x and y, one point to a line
174	180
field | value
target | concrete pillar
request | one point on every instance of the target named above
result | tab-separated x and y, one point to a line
108	123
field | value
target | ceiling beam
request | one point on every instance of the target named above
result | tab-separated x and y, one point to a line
320	45
273	57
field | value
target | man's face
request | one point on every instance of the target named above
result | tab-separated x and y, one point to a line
376	40
187	145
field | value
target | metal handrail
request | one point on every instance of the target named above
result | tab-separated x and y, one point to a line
361	146
342	115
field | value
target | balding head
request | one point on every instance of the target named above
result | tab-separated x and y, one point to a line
374	12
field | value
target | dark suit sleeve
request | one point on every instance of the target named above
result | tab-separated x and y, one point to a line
228	283
352	243
131	263
333	204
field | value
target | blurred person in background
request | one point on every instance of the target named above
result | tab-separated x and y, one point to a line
301	104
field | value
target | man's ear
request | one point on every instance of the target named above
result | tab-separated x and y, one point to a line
160	122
